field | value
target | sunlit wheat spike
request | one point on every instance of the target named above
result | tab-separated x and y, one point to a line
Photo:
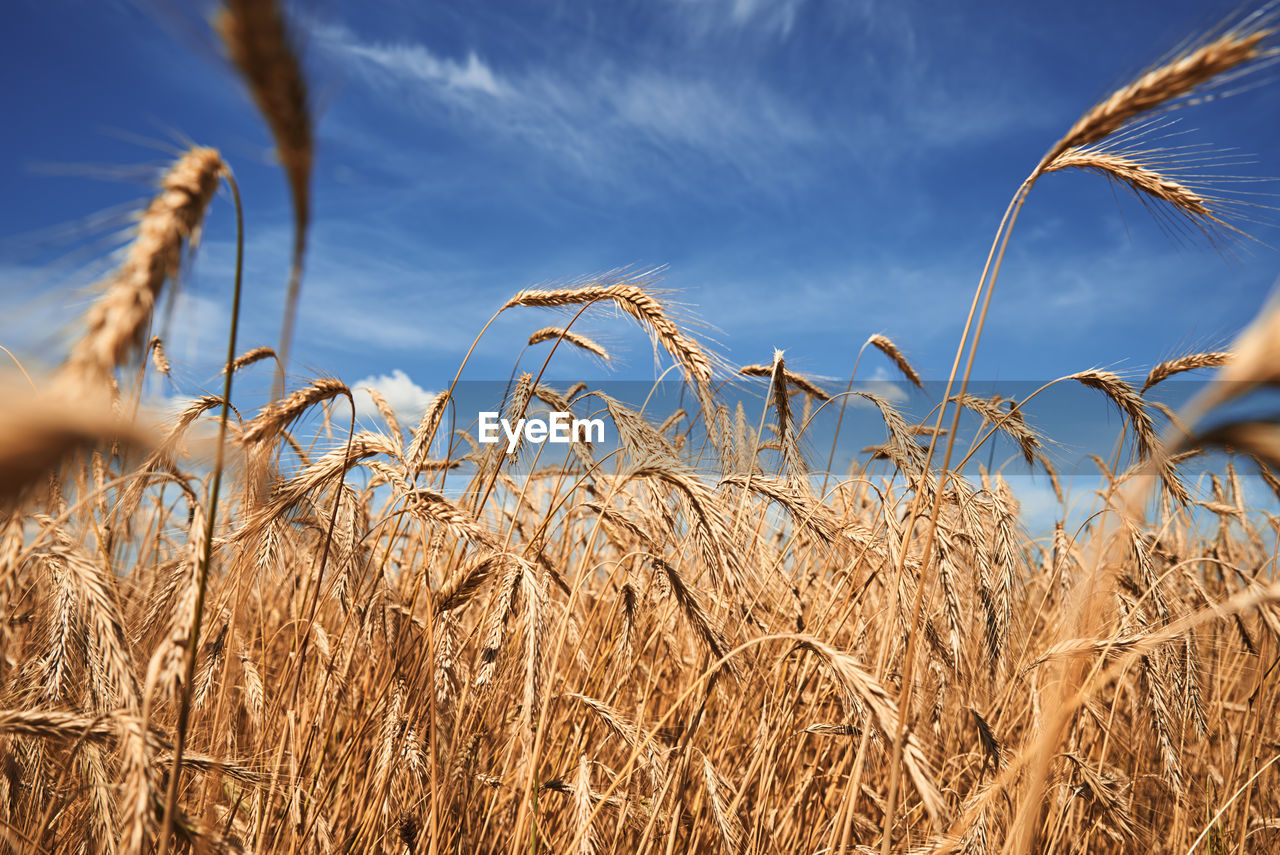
415	455
859	689
249	357
1190	362
574	338
728	824
635	737
1130	403
787	438
117	322
388	414
628	293
886	346
277	416
798	381
704	630
158	357
1006	419
582	808
1130	170
1169	85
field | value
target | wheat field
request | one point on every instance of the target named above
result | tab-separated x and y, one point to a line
270	631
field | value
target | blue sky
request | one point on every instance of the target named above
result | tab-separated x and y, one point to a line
812	173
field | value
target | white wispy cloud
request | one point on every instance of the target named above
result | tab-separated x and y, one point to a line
770	17
592	114
406	398
881	384
408	62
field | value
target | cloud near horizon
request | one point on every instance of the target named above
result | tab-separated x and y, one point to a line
405	397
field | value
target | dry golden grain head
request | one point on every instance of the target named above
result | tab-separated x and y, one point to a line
886	346
249	357
277	416
1130	403
798	381
1190	362
576	339
1130	170
158	357
1174	83
117	322
257	40
628	292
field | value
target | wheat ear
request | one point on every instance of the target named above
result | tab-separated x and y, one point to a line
117	322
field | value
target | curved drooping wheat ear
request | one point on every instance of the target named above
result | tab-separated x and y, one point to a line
886	346
278	415
1190	362
1130	170
118	321
576	339
860	690
704	629
636	434
719	550
251	356
1010	421
729	825
799	381
1168	86
900	447
628	294
647	748
504	604
1129	402
817	517
114	679
438	508
158	357
322	472
258	43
